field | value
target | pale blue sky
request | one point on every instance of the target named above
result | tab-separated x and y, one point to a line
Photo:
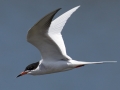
91	34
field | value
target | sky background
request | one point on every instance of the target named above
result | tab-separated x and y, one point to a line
91	34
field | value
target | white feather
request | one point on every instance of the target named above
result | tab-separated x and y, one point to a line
46	36
56	28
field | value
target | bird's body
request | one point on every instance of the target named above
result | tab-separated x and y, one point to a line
46	36
60	66
51	67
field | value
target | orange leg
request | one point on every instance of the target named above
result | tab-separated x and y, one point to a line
79	66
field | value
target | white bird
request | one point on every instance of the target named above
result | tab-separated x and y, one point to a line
46	36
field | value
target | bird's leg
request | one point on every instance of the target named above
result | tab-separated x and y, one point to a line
79	66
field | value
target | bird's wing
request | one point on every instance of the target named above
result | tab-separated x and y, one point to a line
41	38
56	28
38	36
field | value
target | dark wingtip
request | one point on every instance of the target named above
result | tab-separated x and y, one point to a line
59	8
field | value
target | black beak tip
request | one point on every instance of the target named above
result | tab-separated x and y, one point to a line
18	75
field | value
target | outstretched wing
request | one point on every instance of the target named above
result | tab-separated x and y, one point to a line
56	28
41	36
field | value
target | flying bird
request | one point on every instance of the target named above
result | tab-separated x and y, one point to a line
46	36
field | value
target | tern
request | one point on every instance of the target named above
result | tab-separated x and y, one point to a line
46	36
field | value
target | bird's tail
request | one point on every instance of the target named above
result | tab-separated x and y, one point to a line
77	64
100	62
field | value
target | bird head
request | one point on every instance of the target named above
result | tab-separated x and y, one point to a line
29	69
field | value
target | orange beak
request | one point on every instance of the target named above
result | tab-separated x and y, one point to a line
22	73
